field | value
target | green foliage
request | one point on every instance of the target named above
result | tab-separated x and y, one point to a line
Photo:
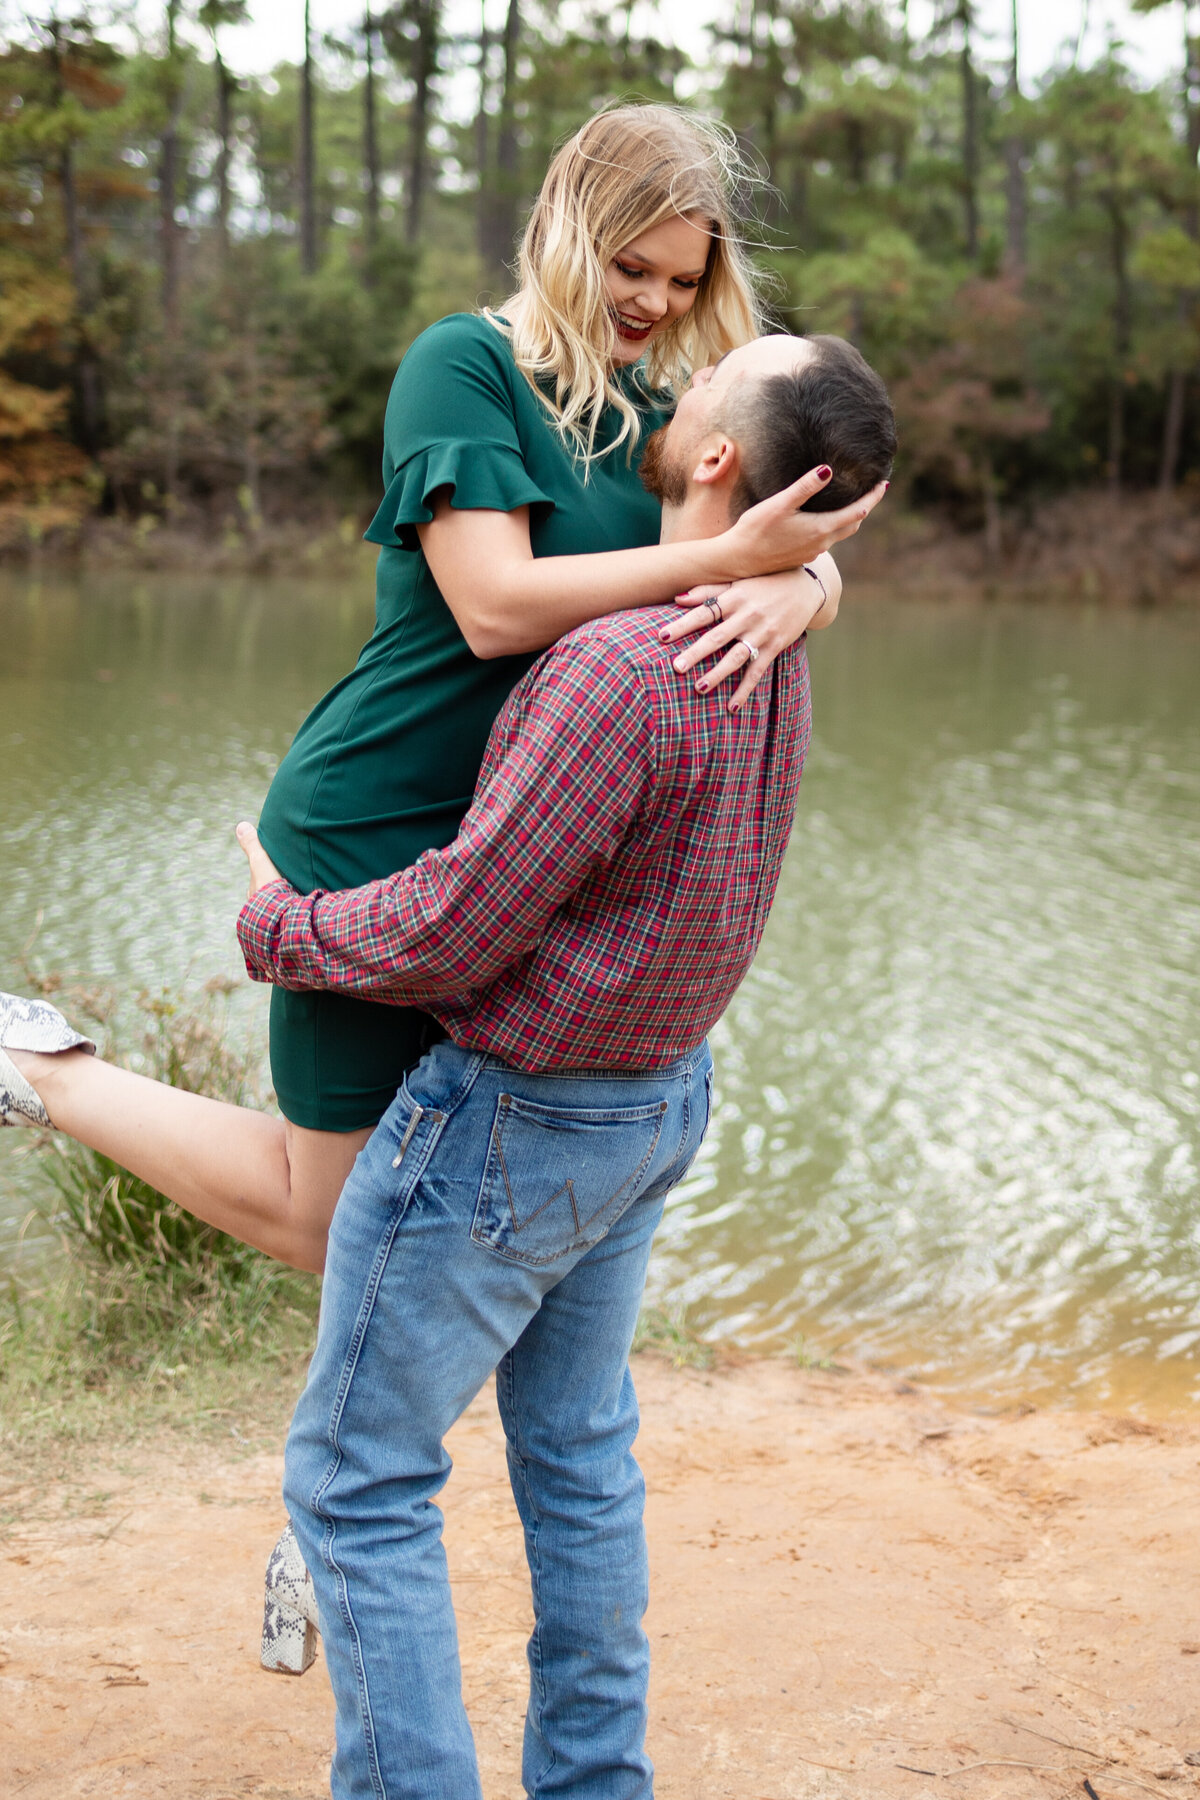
146	1286
45	480
914	192
121	1220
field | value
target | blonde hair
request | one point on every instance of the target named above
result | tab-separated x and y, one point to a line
629	168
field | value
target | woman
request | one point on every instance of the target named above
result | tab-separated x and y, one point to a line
513	512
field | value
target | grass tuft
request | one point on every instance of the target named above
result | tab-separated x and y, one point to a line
143	1293
123	1222
666	1330
805	1357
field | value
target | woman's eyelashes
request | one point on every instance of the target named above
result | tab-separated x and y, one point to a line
633	275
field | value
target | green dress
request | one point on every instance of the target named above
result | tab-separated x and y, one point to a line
385	766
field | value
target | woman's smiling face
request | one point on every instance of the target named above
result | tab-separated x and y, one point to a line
653	281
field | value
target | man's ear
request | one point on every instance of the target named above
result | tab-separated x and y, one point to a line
718	462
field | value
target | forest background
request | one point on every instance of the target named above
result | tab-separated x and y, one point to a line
207	277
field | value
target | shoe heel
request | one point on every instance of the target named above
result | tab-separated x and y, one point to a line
289	1640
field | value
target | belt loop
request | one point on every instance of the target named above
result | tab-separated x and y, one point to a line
406	1140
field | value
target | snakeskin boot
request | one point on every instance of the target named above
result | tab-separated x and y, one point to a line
30	1025
290	1624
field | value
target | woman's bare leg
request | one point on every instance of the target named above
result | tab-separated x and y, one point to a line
264	1180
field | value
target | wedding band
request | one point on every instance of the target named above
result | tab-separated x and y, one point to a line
714	607
753	653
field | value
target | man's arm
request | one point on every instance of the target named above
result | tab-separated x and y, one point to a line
562	786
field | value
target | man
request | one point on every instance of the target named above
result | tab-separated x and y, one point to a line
601	903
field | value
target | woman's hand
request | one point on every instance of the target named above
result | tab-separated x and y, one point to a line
768	611
774	535
262	870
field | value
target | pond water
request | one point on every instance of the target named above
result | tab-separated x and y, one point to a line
958	1122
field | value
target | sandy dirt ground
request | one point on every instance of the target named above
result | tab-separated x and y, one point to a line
858	1590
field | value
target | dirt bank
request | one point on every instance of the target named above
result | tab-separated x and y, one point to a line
1139	550
858	1591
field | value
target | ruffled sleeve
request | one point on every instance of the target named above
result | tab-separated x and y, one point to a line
478	473
451	424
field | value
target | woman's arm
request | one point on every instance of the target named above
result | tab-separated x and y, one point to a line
831	580
508	602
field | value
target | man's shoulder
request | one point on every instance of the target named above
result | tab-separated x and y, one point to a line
590	690
603	677
623	647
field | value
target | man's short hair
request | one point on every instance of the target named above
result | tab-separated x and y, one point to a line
832	409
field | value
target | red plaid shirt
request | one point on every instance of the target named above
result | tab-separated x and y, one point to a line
608	888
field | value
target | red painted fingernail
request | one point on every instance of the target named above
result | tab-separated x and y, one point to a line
664	636
825	471
681	596
702	687
886	486
735	706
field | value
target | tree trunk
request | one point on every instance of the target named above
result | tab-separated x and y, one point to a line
745	33
970	141
171	448
168	177
1173	423
424	69
1085	19
772	86
1172	441
481	136
628	73
1116	433
87	369
501	221
1191	117
993	538
370	152
88	390
1122	337
224	134
1014	174
251	496
168	181
307	170
70	205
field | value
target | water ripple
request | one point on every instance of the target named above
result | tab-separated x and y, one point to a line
958	1120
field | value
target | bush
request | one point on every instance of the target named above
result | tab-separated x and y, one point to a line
142	1285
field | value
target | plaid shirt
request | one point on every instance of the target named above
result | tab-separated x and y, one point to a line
607	891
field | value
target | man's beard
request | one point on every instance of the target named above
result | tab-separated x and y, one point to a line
663	476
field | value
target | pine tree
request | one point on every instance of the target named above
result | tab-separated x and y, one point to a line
212	16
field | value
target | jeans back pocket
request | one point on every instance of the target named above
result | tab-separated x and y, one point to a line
557	1177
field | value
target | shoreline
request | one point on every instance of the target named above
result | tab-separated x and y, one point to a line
1139	551
79	1400
857	1590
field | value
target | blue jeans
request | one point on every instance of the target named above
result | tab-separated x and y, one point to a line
500	1221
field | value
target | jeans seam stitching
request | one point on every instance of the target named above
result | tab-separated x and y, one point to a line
337	1411
535	1575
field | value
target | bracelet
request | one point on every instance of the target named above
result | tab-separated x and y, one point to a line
809	570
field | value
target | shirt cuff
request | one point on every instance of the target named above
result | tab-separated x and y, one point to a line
259	929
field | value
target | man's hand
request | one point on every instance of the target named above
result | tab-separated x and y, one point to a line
262	870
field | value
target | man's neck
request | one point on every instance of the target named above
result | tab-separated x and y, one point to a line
704	514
